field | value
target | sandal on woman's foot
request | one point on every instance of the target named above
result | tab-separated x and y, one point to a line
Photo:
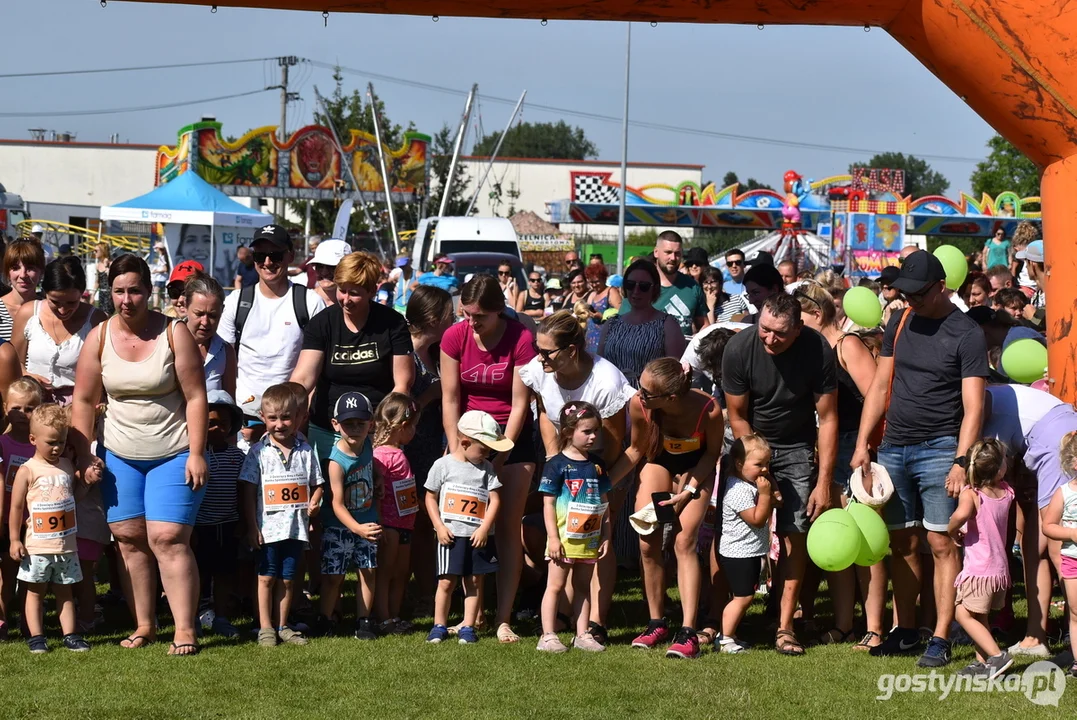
870	640
599	633
835	636
506	635
787	644
141	640
183	649
706	636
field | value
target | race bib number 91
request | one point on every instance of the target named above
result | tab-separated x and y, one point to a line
51	520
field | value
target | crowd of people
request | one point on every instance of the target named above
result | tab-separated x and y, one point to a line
245	451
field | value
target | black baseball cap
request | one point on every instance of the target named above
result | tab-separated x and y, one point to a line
761	258
696	256
919	271
274	234
352	406
889	274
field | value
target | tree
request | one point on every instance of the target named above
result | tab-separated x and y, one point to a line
346	112
557	141
440	159
731	178
920	179
1005	168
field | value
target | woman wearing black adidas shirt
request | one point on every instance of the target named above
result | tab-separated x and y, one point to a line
355	345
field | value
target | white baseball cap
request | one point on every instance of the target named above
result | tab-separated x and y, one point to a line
37	228
481	426
331	252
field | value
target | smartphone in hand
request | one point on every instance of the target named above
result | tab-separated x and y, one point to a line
664	513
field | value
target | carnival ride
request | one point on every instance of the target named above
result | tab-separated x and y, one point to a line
83	241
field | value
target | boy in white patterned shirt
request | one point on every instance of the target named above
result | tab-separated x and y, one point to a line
281	492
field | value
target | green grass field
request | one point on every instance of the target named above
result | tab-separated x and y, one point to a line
403	677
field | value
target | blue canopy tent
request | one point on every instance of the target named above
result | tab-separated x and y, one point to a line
188	201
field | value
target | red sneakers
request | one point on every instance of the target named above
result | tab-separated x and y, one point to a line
656	633
685	645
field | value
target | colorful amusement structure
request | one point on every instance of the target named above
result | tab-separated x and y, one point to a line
864	216
308	165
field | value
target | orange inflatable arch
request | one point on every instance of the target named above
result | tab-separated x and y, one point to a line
1009	60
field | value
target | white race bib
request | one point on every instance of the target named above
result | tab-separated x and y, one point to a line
406	496
464	504
584	520
51	520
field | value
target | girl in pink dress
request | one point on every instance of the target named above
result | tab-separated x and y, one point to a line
395	421
979	525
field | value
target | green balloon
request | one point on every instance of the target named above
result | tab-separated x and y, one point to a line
1025	360
955	264
862	306
875	538
610	313
834	540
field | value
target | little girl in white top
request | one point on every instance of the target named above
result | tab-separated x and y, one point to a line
746	509
1060	523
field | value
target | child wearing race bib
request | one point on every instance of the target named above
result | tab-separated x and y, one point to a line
746	509
45	488
462	503
395	422
281	490
350	524
1060	523
575	487
23	396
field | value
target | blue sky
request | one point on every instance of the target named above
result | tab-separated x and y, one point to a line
802	85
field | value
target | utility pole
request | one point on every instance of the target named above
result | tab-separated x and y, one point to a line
285	98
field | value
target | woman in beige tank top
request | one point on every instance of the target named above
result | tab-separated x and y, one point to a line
154	445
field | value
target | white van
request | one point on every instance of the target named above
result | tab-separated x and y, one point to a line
445	235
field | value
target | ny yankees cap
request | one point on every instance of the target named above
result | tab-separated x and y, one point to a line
274	234
352	406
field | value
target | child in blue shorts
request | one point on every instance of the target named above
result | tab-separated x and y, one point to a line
281	491
350	528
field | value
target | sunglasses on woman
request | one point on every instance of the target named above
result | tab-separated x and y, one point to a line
547	355
646	394
644	286
504	273
276	256
535	279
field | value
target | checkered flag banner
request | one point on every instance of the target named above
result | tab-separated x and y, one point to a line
593	189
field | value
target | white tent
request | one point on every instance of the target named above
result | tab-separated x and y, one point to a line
806	249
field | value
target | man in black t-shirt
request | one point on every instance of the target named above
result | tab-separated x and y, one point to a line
935	371
777	376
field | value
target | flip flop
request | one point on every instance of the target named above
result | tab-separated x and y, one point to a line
506	635
195	649
865	642
132	639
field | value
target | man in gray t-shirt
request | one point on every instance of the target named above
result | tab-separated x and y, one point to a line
463	491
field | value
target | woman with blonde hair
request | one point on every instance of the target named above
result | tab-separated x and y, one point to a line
855	373
355	345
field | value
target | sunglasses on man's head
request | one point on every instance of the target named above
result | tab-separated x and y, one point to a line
276	256
644	286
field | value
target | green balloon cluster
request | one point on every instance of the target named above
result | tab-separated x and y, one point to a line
840	538
953	261
874	537
1025	360
834	540
862	307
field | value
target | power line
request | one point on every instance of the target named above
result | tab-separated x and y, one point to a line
116	111
642	123
49	73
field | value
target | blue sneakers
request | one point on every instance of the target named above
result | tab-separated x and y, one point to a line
438	633
467	635
937	653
